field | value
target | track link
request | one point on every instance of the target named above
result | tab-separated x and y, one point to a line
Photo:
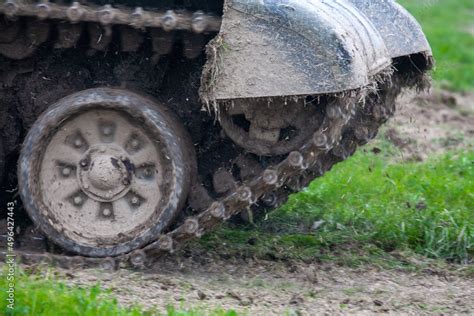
197	22
19	40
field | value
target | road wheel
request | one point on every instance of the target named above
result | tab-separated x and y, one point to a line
104	171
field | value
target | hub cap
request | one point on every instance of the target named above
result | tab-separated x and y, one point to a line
103	173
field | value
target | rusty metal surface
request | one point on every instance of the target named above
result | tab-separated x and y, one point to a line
303	47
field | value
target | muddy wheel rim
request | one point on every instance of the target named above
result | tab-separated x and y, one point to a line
104	172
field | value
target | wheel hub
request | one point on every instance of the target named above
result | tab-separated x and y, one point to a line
106	173
103	173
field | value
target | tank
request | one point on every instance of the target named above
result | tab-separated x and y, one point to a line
131	127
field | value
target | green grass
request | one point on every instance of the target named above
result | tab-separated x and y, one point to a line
449	26
370	208
43	295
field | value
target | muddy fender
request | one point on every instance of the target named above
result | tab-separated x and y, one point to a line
400	31
270	48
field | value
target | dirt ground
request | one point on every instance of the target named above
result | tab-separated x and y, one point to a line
424	125
431	123
278	288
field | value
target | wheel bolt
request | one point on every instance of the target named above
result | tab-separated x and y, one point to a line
148	172
78	142
106	212
135	200
135	143
78	200
66	172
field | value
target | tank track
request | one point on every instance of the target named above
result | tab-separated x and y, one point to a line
169	20
133	26
346	125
